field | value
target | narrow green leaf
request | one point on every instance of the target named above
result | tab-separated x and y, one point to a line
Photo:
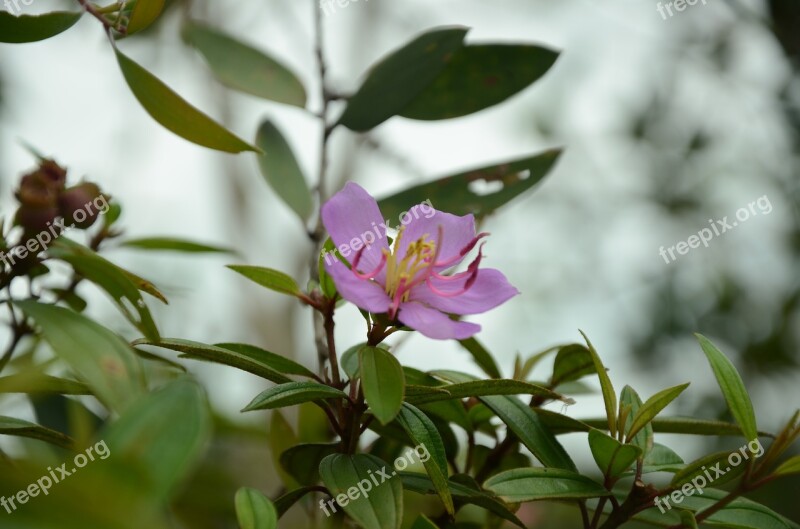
252	363
101	358
383	382
302	461
20	428
680	425
35	382
254	510
174	113
163	435
423	432
269	278
349	478
292	393
653	407
455	194
398	78
33	28
612	457
479	77
482	357
644	438
531	484
714	468
279	363
242	67
609	395
144	13
573	361
174	244
285	502
789	467
479	388
732	388
280	169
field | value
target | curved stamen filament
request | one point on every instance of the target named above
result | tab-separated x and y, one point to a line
370	275
464	251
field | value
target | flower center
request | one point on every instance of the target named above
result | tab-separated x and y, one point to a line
400	275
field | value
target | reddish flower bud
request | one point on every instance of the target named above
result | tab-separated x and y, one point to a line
82	204
35	219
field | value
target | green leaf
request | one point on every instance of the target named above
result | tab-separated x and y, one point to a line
573	361
732	388
20	428
455	195
279	363
423	522
280	437
302	461
609	396
28	28
350	480
705	468
254	510
644	438
350	360
531	484
612	457
662	459
100	357
280	169
423	432
163	435
252	363
789	467
124	287
680	425
285	502
174	244
292	393
269	278
479	77
383	382
525	424
244	68
482	357
35	382
398	78
688	519
478	388
463	494
144	13
174	113
653	407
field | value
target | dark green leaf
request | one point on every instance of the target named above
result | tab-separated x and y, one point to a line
292	393
530	484
100	357
612	457
479	77
732	388
478	388
653	407
254	510
302	461
285	502
269	278
398	78
244	68
280	169
708	469
174	113
423	433
455	195
609	396
277	362
573	361
177	245
28	28
144	13
383	382
482	357
682	425
35	382
350	480
20	428
423	522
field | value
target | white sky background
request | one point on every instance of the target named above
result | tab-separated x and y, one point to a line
583	248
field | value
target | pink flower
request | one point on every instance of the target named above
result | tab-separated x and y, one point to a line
410	282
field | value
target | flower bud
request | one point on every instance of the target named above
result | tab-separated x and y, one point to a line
78	204
35	219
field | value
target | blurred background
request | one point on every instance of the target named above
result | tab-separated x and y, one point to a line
668	122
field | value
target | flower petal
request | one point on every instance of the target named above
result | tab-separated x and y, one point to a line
352	215
490	289
363	293
457	232
434	324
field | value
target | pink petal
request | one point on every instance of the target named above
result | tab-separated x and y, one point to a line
434	324
365	294
490	289
353	220
457	232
